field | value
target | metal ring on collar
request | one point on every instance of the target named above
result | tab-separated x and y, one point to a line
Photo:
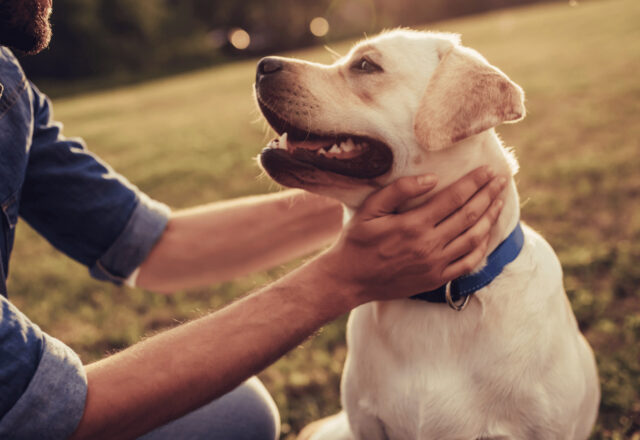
462	303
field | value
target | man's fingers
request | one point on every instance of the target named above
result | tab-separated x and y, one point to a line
466	264
456	195
474	236
389	198
475	208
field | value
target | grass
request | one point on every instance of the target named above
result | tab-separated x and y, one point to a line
190	139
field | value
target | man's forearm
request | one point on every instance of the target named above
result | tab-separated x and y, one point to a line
225	240
177	371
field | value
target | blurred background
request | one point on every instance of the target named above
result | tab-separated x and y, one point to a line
162	90
122	40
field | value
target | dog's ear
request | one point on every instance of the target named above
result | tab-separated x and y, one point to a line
465	95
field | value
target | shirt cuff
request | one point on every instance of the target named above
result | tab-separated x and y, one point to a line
53	404
144	228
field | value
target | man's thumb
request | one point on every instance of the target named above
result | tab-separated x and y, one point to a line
390	198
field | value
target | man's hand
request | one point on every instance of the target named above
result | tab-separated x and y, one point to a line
386	255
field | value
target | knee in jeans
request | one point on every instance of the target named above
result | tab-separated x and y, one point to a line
246	413
262	416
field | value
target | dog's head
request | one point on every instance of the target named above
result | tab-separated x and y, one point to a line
374	115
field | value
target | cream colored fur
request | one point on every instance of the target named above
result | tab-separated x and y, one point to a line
465	96
513	364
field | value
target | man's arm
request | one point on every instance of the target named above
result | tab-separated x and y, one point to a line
170	374
104	222
226	240
174	372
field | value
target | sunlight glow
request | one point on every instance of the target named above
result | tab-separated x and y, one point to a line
239	38
319	26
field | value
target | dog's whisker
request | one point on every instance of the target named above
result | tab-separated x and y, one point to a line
266	129
333	52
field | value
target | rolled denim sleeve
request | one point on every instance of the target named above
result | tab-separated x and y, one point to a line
82	206
43	381
128	251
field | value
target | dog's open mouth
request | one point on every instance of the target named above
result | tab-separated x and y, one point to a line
349	155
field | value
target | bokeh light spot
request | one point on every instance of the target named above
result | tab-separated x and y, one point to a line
239	38
319	26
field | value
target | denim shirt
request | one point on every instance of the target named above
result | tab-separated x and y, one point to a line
84	209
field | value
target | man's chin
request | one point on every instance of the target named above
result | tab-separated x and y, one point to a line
24	25
38	45
31	46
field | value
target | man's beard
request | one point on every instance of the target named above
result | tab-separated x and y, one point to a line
24	24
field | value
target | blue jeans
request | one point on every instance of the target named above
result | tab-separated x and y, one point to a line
246	413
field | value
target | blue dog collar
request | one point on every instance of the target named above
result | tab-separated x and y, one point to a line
456	293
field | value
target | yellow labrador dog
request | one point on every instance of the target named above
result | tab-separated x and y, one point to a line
511	363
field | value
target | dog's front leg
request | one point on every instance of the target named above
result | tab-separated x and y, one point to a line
335	427
368	427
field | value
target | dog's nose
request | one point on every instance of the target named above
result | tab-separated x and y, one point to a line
268	66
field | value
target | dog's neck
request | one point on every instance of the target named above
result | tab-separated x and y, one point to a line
485	148
454	162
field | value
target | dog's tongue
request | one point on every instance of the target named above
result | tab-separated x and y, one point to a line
306	144
339	149
283	143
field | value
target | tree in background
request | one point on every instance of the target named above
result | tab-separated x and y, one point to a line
105	37
98	38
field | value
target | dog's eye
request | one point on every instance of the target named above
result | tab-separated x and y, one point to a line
365	65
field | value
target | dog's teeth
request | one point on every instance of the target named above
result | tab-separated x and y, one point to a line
283	141
348	146
321	152
335	149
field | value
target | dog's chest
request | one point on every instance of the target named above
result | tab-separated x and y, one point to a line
418	374
424	371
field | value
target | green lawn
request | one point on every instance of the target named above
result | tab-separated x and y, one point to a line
191	139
